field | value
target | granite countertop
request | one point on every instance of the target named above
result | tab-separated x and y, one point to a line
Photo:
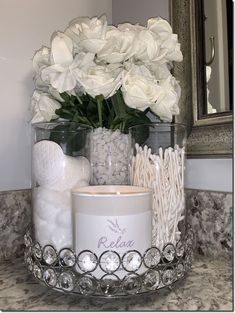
208	286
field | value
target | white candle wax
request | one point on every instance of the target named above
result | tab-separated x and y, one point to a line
114	218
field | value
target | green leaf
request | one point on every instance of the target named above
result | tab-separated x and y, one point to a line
119	105
71	140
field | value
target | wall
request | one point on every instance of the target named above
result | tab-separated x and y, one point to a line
25	26
138	11
209	174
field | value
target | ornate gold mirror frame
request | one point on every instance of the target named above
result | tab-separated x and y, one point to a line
207	137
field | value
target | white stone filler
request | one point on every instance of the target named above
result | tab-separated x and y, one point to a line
164	173
109	156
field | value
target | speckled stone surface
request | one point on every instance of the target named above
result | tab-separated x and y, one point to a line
210	214
15	216
208	287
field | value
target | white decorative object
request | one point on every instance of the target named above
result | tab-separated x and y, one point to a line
110	157
55	170
116	218
56	174
164	173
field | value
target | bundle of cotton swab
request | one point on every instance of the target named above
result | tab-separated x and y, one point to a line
164	173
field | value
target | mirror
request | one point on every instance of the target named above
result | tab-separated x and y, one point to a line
215	22
206	109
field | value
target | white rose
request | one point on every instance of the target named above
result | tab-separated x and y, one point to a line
41	58
169	46
139	88
146	46
60	73
88	33
167	104
100	80
118	47
43	107
127	27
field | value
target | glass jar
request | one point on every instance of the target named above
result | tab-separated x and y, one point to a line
109	154
158	163
59	164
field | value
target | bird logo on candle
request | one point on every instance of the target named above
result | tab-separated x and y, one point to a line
114	227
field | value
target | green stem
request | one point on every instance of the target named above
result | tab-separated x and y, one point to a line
123	126
99	105
79	99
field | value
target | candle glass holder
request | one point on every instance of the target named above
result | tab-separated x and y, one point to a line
59	164
158	163
121	268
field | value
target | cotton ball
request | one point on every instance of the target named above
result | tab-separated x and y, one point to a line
85	169
62	238
74	170
48	202
43	231
64	218
47	162
43	203
81	183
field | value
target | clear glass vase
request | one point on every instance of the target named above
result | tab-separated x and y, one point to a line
109	154
59	164
158	163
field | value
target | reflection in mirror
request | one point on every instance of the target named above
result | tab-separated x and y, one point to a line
209	135
217	19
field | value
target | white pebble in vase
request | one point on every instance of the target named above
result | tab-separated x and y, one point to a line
110	157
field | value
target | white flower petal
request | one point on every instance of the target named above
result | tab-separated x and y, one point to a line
43	107
62	49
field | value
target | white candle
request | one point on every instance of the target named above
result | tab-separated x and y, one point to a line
114	218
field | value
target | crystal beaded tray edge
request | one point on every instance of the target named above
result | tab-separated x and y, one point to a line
67	272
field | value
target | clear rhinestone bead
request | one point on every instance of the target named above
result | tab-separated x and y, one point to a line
131	261
27	240
179	249
168	276
66	281
169	252
29	262
109	261
49	255
152	257
188	261
50	277
67	258
132	283
189	243
37	272
152	279
180	270
87	261
37	251
110	284
87	285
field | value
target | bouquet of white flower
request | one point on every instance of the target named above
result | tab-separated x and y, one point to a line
107	76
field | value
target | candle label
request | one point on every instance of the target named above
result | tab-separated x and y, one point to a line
117	233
